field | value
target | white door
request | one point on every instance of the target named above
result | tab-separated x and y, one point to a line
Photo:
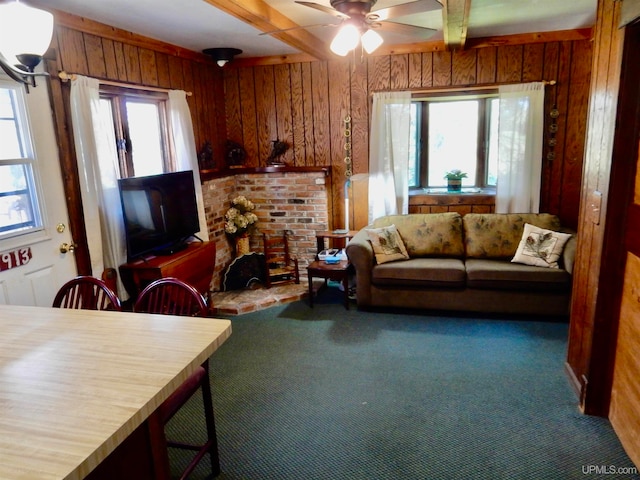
32	268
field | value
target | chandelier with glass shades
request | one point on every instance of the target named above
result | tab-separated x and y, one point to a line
25	36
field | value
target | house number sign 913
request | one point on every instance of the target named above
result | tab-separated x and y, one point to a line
14	258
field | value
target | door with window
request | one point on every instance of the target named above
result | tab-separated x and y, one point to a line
33	213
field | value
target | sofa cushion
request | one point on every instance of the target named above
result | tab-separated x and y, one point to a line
421	272
540	247
504	275
496	235
428	234
387	244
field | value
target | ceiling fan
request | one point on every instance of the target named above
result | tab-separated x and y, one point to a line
358	22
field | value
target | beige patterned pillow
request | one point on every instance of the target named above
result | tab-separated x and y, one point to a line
387	244
428	234
540	247
497	235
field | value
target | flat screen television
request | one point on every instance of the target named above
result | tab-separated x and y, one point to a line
160	213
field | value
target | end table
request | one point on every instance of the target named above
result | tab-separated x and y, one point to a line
330	271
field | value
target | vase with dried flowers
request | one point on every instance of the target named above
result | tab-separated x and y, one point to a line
240	222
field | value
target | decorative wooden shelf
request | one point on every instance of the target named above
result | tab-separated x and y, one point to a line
210	174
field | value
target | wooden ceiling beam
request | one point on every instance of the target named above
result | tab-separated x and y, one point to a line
455	21
265	18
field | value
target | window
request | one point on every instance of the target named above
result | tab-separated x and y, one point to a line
449	133
19	208
140	125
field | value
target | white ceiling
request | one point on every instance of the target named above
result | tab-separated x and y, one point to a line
196	25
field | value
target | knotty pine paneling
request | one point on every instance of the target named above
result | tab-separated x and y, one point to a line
321	125
249	115
284	110
318	90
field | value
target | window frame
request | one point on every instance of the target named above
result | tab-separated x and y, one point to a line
118	97
422	142
31	231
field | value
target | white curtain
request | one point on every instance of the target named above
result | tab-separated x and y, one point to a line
185	145
520	133
389	154
98	171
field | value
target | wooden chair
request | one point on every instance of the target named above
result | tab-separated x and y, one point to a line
280	266
87	293
171	296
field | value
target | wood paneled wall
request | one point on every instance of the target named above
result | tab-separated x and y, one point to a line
305	104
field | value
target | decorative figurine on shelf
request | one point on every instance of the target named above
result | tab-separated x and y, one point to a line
235	154
205	157
279	148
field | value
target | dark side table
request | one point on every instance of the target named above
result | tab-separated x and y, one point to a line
336	271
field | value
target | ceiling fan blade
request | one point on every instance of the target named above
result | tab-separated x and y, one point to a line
322	8
404	29
299	27
411	8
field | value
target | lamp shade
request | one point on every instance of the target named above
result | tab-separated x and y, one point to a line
346	40
24	30
371	40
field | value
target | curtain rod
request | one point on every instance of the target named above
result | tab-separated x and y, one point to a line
460	88
64	76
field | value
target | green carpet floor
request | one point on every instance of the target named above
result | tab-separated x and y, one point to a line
326	393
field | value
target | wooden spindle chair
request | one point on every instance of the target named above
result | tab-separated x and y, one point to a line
280	266
171	296
87	293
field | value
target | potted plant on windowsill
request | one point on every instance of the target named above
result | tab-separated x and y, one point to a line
454	180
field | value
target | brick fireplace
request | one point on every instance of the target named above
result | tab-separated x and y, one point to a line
292	200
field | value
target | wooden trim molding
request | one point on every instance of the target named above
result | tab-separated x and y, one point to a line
227	172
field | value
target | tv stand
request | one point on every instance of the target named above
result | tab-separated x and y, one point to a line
194	264
171	249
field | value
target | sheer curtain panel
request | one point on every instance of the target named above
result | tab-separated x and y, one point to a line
520	133
389	154
98	171
185	145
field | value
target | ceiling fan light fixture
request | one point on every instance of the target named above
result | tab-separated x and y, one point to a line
221	55
371	40
345	40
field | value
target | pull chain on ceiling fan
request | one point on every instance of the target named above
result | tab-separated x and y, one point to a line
358	23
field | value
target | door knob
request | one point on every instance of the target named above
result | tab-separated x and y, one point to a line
67	247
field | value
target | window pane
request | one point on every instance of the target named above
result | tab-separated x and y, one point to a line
492	153
453	140
10	146
146	138
414	152
16	207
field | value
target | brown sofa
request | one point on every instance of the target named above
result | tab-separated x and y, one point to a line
462	264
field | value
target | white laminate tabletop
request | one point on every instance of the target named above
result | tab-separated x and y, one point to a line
75	383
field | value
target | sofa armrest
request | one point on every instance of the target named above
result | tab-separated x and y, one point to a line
361	256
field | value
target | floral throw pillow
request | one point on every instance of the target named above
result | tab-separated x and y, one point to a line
540	247
387	244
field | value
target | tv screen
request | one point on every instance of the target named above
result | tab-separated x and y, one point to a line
160	212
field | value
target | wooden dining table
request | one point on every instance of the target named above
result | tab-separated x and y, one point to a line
79	388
